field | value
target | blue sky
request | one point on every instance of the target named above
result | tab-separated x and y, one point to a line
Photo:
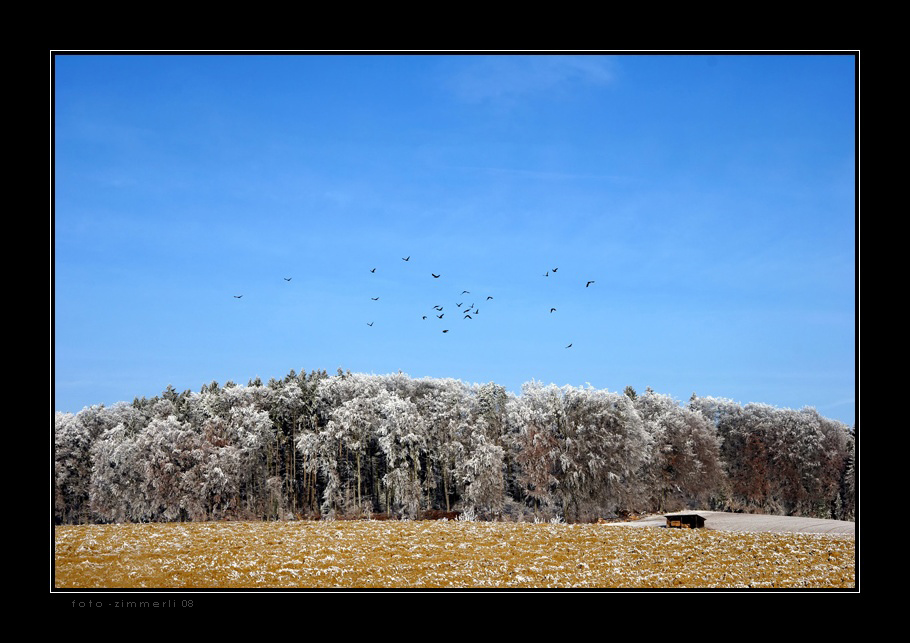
711	199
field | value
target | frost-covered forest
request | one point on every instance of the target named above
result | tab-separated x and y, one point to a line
354	445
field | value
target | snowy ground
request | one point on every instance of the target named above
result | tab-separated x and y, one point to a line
445	554
723	521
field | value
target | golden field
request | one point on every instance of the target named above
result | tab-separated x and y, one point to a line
443	554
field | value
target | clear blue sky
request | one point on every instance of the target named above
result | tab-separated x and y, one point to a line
711	199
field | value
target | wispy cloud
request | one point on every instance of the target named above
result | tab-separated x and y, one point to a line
504	79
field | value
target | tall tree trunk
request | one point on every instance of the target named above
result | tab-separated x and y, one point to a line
445	487
358	480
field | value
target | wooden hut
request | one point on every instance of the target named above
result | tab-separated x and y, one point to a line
685	521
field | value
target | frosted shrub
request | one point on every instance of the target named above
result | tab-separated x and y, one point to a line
468	515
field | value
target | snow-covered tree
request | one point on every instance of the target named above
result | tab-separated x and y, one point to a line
402	439
72	468
352	428
685	467
536	417
778	460
848	482
445	405
482	473
605	449
293	410
236	471
117	479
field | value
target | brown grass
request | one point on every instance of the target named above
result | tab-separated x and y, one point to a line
442	554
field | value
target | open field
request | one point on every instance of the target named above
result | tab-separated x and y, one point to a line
443	554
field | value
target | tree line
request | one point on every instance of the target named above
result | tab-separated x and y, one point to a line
353	445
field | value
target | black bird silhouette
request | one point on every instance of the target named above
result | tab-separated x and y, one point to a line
465	292
552	310
445	331
547	274
369	323
424	317
489	298
237	296
459	305
373	270
408	258
589	283
438	307
435	276
440	316
375	298
468	317
569	346
555	269
288	278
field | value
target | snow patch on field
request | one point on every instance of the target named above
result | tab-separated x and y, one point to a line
724	521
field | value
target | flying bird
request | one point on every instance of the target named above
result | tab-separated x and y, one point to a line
440	316
589	283
369	323
445	331
373	270
237	296
465	292
489	298
569	346
468	317
438	307
555	269
435	276
552	310
288	278
408	258
547	274
424	317
459	305
375	298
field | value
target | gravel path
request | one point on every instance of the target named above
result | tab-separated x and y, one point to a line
724	521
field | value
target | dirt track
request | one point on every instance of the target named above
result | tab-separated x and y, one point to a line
723	521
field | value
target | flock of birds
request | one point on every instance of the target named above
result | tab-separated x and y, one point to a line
439	310
466	311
